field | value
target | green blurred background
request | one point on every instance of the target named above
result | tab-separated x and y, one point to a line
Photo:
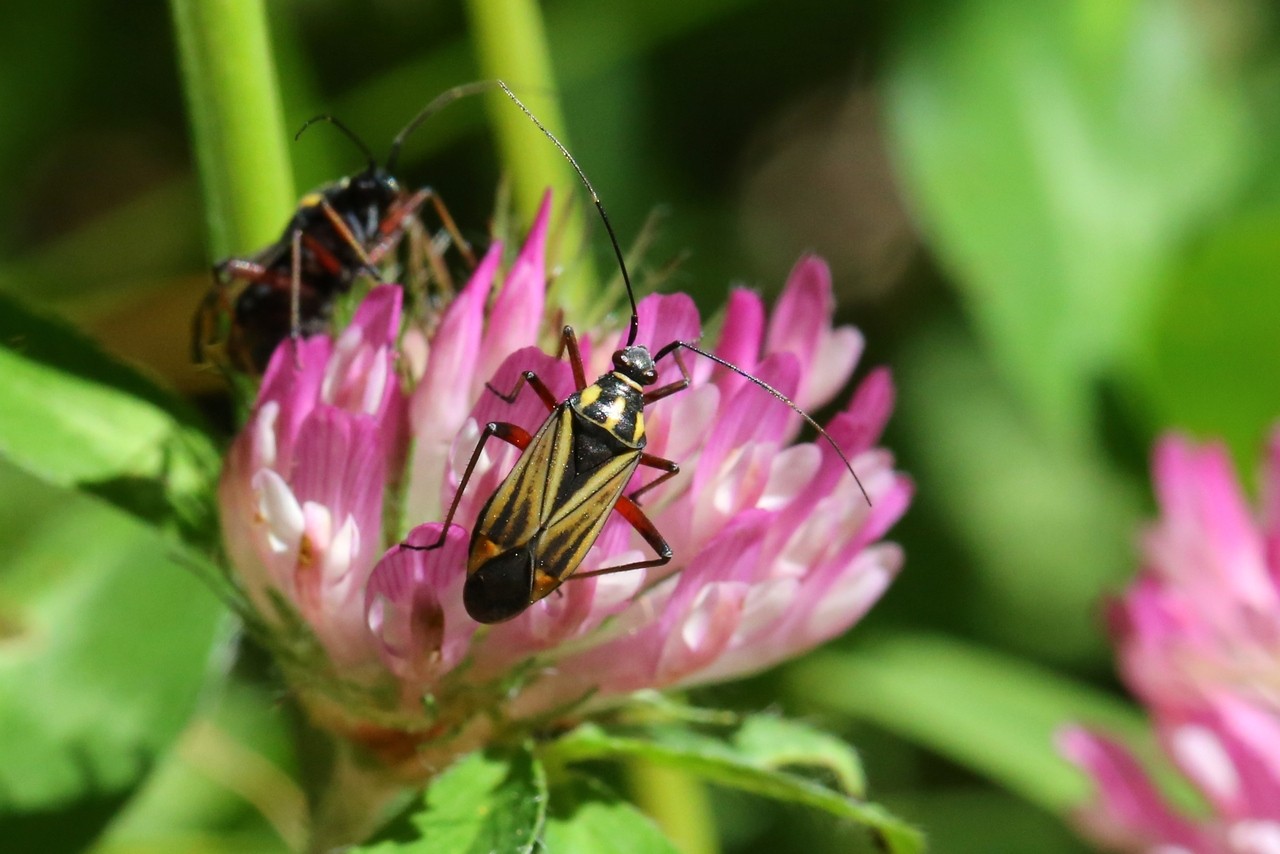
1058	222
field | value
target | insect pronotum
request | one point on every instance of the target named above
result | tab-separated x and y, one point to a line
532	534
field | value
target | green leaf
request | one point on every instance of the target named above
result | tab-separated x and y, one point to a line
76	417
1215	343
1057	153
745	763
772	742
1047	526
226	786
586	817
491	801
966	819
991	713
104	648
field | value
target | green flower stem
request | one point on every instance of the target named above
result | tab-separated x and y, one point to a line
236	121
511	45
677	802
353	802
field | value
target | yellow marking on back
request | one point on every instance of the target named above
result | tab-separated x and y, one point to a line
590	394
613	412
626	379
543	584
482	551
638	433
311	200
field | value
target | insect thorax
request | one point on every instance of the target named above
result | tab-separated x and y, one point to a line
615	403
363	201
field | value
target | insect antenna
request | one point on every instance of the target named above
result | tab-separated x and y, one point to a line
438	103
685	345
613	238
635	313
348	132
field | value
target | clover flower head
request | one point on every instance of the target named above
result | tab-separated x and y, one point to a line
1196	638
355	441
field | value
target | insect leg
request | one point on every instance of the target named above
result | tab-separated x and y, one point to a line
633	514
391	225
422	244
669	470
340	226
670	388
206	326
450	226
569	342
535	382
295	297
250	271
509	433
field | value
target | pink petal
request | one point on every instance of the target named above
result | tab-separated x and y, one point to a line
516	317
741	338
802	315
340	465
238	503
702	632
1203	757
665	318
733	554
1271	505
377	318
751	416
891	493
1203	506
1251	738
293	380
676	428
833	608
868	412
1254	837
833	364
283	521
791	473
1128	812
413	605
440	402
742	333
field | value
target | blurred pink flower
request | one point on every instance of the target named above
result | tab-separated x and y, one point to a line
776	550
1197	640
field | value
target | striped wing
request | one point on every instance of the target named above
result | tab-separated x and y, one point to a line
526	502
517	509
576	524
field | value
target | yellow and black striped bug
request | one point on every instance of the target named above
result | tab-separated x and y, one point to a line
537	527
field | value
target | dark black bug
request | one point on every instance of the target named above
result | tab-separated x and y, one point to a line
338	233
537	527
